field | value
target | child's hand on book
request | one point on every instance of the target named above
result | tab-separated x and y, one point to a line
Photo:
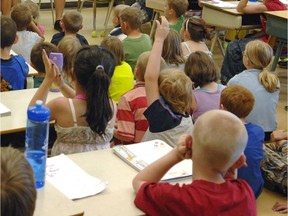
183	147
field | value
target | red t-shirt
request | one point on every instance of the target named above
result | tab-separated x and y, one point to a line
234	197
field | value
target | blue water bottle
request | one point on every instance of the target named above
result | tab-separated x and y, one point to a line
36	143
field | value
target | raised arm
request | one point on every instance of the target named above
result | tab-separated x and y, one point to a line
153	67
155	171
250	9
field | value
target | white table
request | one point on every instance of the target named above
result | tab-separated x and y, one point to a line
17	102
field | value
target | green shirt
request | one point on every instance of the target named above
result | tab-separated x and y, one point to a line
178	26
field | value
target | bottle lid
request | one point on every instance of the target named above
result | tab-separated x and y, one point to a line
57	58
38	112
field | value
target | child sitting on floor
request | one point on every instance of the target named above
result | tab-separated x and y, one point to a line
117	31
136	42
205	75
71	24
216	151
169	95
240	101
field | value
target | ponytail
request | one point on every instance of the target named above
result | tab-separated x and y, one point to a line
99	109
269	81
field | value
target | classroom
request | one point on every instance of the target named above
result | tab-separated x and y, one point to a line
116	197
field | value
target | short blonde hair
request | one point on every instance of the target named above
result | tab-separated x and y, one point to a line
176	88
34	9
22	16
133	16
72	21
218	147
172	51
179	6
69	46
260	54
118	8
237	100
142	64
201	69
114	44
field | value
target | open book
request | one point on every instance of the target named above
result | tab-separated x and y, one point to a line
142	154
222	4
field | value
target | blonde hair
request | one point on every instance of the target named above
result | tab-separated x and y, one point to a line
218	147
179	6
172	51
133	16
72	21
142	64
201	69
69	46
114	44
260	55
22	16
118	8
176	88
34	9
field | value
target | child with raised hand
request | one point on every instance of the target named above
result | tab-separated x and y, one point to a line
263	85
205	75
174	11
123	77
240	101
86	122
172	52
194	33
168	95
216	151
71	24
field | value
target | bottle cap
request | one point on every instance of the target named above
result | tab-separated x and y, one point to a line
57	58
38	112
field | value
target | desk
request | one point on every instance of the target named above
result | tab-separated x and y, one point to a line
223	19
17	102
158	8
277	26
32	71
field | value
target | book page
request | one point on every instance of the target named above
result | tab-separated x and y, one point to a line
142	154
222	4
70	179
4	111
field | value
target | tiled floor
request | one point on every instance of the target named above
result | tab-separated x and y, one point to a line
46	20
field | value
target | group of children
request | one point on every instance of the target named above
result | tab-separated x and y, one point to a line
176	98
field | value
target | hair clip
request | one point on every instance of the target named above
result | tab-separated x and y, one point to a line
99	67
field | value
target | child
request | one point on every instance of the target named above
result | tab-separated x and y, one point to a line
71	24
172	53
69	46
35	15
194	33
240	101
168	95
216	151
13	68
130	120
123	78
86	122
22	16
18	192
37	61
263	85
174	11
136	42
204	73
117	31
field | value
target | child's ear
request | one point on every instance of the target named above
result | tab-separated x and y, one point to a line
188	141
81	27
62	24
16	39
222	107
240	162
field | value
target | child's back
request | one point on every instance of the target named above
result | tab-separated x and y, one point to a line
136	42
22	16
204	73
240	102
14	69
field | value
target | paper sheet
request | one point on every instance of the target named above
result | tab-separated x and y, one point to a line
4	111
70	179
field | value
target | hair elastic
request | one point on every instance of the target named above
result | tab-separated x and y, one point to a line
99	67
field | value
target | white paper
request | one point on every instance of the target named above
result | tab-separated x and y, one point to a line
222	4
4	111
70	179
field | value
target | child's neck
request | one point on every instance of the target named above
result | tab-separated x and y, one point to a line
212	86
207	174
134	33
173	20
69	33
5	53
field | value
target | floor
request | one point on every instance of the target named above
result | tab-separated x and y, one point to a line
46	20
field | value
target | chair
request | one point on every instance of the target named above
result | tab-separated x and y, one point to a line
52	9
111	3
